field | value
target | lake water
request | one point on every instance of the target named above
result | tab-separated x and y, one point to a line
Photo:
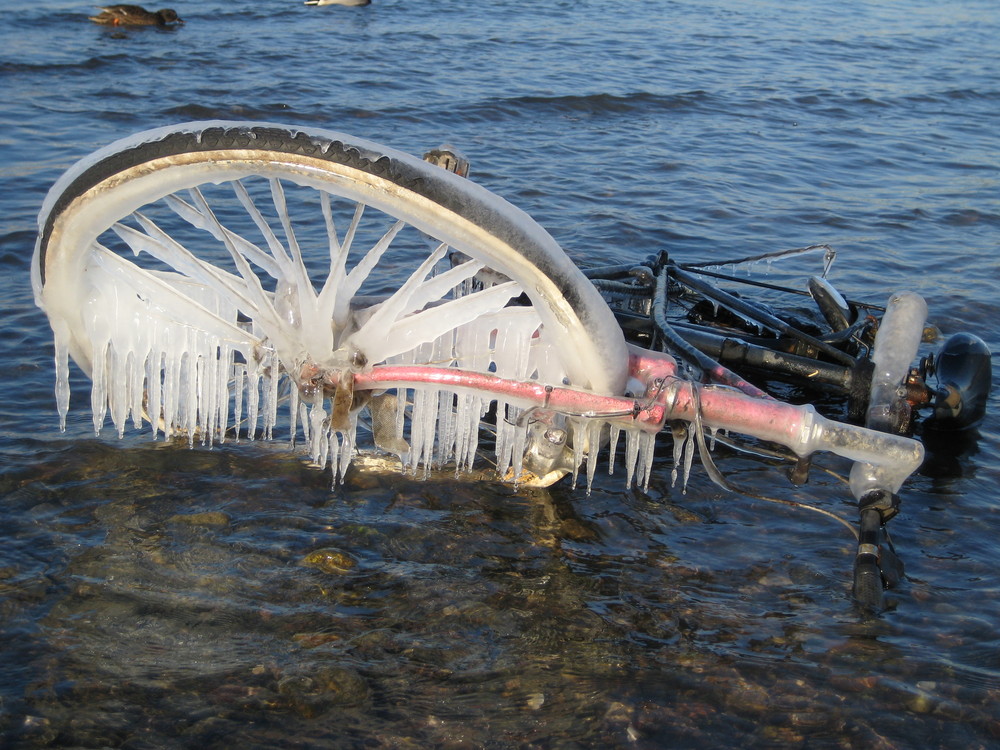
155	596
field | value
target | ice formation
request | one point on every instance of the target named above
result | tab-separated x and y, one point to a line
201	352
187	358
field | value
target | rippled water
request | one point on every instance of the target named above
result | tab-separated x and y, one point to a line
153	596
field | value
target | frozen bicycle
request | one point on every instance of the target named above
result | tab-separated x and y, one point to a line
203	274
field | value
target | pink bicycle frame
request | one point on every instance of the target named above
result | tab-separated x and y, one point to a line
668	397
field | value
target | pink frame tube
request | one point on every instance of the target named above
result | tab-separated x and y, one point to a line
670	397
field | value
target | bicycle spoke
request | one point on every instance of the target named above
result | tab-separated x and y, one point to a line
436	287
361	271
213	226
170	299
273	243
299	275
434	322
158	244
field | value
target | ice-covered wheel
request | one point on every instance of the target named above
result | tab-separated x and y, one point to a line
190	270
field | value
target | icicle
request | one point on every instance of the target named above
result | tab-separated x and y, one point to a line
318	429
416	434
253	395
62	375
505	434
212	367
304	421
171	382
689	449
593	448
224	374
519	435
293	414
100	337
579	432
446	428
461	437
422	429
631	455
471	410
207	408
239	383
201	374
98	390
154	381
680	432
272	379
428	425
402	396
346	450
189	368
616	431
137	372
117	385
647	441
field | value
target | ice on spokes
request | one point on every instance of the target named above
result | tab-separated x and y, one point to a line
200	351
211	374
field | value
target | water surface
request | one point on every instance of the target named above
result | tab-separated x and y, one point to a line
155	596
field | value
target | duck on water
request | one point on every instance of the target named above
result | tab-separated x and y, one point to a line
135	15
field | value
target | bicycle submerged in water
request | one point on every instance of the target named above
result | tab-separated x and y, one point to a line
205	273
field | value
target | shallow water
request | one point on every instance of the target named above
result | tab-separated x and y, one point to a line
155	596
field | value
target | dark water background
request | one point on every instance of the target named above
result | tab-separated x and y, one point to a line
152	596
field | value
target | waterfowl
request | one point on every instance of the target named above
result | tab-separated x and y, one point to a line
135	15
338	2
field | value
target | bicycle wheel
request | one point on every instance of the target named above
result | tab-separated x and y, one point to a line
185	268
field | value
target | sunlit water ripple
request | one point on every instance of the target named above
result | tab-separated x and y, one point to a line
155	596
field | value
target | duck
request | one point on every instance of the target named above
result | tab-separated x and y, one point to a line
338	2
135	15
